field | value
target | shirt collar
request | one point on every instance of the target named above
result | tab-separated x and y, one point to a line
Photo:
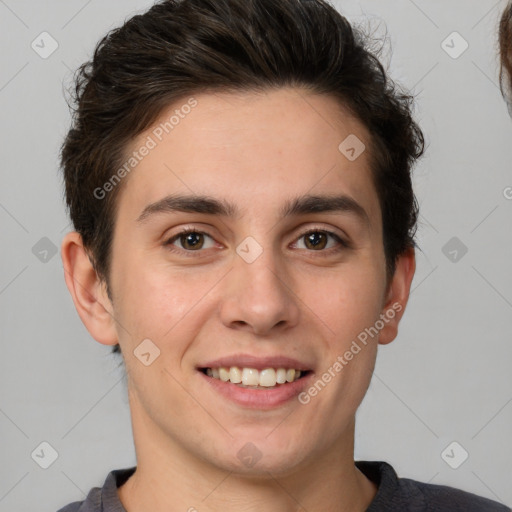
379	472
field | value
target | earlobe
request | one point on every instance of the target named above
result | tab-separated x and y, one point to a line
397	296
87	290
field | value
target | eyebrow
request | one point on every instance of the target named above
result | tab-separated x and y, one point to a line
307	204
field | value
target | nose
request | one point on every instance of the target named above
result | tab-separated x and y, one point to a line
258	296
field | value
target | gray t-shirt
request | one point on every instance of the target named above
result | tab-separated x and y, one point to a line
394	494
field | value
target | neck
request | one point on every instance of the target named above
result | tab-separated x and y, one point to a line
170	478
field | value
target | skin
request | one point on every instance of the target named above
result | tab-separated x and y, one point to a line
257	151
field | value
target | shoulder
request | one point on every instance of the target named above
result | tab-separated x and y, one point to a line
405	494
443	498
72	507
103	499
92	503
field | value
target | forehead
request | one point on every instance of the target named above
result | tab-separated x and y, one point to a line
267	147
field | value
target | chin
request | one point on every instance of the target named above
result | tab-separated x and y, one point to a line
262	456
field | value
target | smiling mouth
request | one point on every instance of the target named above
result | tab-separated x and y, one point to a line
253	378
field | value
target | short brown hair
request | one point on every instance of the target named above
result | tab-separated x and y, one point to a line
505	42
181	47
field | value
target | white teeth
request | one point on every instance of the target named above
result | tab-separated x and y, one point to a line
267	377
235	375
281	376
250	377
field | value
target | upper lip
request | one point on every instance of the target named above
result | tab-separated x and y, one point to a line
258	363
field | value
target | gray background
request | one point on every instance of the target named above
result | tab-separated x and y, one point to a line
447	377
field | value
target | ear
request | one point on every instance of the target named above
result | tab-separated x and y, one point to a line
397	296
89	293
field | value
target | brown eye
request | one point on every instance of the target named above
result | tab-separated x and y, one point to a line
316	240
190	240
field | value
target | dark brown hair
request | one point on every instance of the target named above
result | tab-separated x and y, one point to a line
505	42
181	47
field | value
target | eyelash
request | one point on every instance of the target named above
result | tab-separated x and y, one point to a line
186	231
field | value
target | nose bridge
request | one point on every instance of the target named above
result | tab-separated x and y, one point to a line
259	295
264	274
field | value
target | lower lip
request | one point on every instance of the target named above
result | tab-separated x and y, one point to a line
258	398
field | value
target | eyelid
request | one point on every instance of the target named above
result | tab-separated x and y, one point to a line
327	229
168	243
343	243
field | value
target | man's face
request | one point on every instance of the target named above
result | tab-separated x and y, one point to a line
250	284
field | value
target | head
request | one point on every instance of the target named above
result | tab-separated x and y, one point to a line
253	104
505	44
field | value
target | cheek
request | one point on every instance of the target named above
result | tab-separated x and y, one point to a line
168	308
353	309
152	301
348	302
